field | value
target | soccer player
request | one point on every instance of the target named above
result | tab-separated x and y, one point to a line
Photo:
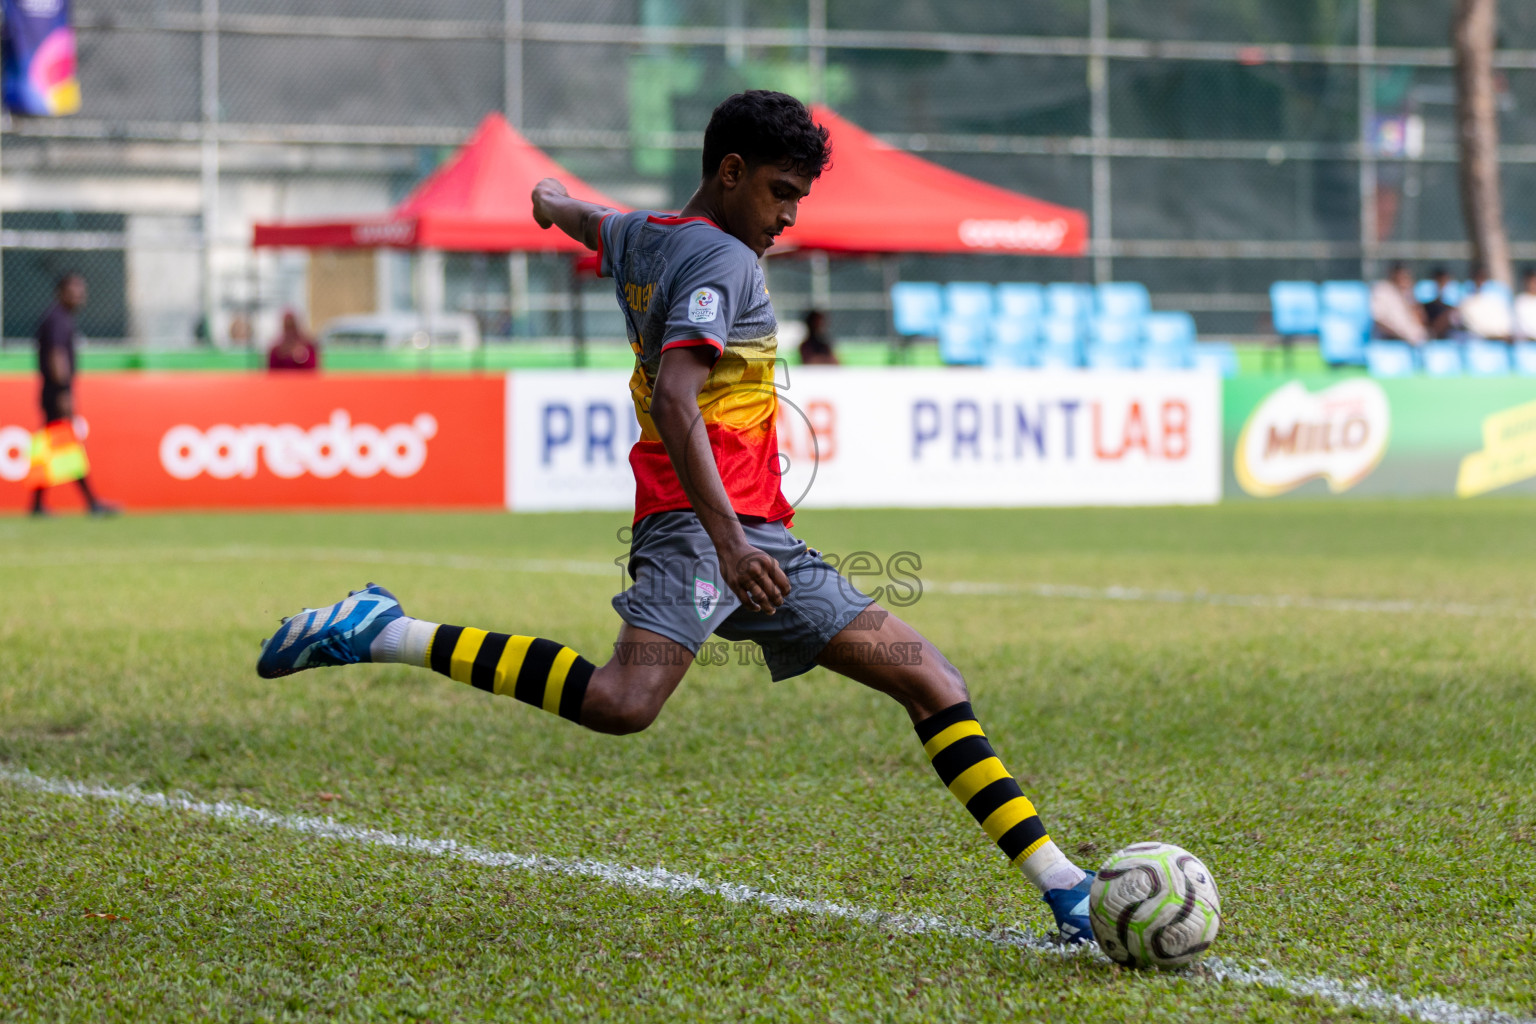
711	550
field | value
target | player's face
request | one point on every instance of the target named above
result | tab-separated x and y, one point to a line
763	202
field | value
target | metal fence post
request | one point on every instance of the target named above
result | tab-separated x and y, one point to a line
512	61
1370	231
512	107
1098	90
816	48
210	165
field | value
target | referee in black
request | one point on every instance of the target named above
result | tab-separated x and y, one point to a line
56	363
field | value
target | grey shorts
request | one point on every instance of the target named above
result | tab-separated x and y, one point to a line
678	592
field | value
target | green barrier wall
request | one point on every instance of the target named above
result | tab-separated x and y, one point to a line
526	356
1435	425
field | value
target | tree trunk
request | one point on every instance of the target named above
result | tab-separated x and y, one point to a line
1477	126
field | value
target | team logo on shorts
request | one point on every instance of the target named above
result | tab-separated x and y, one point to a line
704	306
705	597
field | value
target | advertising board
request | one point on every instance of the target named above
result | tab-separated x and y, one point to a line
866	438
160	441
556	440
1358	436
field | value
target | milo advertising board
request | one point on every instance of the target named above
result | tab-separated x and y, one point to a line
1349	435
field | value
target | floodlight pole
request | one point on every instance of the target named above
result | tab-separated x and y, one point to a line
1098	93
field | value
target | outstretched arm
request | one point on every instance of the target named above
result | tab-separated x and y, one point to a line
553	206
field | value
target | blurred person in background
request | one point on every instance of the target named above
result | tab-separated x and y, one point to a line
240	331
1525	307
1440	311
1485	312
816	349
1397	315
293	350
56	362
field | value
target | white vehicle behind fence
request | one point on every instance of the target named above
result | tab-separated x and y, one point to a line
401	330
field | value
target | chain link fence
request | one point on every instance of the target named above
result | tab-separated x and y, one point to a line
1217	145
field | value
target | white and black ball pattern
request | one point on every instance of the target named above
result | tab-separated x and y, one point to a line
1154	905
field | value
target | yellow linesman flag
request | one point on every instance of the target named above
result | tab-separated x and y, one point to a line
58	457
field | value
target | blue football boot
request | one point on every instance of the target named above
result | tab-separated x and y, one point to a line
1071	909
338	635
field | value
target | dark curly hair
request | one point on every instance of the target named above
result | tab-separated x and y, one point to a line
765	127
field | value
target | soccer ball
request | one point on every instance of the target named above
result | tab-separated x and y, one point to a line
1154	905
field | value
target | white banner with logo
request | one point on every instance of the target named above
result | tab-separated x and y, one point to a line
869	438
568	438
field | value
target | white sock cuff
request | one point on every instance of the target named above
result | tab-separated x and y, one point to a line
416	641
404	641
1049	868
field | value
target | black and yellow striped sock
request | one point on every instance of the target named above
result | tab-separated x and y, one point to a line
960	753
533	670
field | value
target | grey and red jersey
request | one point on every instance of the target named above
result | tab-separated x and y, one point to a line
682	281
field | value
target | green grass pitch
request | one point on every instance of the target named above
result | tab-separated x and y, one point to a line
1360	779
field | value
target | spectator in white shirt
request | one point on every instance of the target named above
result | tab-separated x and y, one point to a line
1485	313
1396	314
1525	307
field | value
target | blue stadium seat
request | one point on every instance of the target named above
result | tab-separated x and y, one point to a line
1341	340
1487	358
1059	344
1347	298
1013	342
1020	301
1293	307
1425	291
1125	300
1218	356
1113	343
1114	332
1525	358
1111	357
1172	358
917	307
1168	331
1389	359
968	300
1067	301
1442	359
962	341
1498	288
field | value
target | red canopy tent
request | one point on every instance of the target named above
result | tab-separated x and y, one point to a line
476	202
876	198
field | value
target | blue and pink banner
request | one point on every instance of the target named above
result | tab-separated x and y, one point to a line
37	52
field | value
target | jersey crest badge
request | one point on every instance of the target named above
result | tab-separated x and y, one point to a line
705	597
704	306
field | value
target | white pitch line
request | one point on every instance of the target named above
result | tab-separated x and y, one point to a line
577	567
1358	994
1277	601
341	556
